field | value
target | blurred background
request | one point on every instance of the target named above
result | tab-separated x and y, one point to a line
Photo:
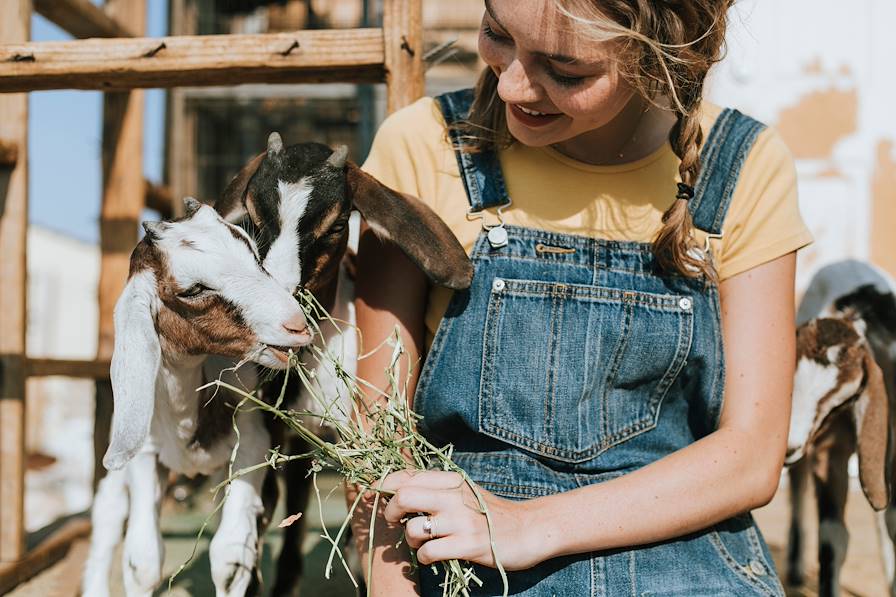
818	70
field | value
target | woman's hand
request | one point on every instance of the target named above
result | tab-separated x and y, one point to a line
459	529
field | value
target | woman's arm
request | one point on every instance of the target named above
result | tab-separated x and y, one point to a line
732	470
390	292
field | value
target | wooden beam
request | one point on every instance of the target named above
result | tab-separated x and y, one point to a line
80	18
44	555
9	154
403	40
14	28
68	368
352	55
159	198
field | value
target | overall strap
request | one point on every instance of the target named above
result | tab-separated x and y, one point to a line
481	172
722	157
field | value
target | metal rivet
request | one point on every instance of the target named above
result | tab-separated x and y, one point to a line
757	568
498	285
497	237
685	303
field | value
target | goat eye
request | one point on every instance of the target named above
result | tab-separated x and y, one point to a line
338	227
193	291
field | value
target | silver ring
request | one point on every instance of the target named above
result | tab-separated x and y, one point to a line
427	526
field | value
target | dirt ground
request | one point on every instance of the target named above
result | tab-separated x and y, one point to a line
862	574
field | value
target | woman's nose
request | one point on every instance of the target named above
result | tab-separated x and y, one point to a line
515	86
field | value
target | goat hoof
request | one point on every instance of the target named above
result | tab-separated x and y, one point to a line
796	578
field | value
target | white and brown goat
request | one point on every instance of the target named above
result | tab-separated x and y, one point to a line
299	199
196	288
842	405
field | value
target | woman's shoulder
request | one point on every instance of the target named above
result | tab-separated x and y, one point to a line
410	147
420	120
768	143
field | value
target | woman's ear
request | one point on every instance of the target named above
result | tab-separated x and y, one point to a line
871	417
414	227
135	365
234	202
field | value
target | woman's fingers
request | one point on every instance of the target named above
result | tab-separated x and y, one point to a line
420	529
452	548
428	479
411	500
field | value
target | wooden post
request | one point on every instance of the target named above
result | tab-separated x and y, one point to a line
180	117
403	32
15	27
123	198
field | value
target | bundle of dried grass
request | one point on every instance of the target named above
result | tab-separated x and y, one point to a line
367	448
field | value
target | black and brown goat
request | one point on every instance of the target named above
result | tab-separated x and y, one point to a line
298	200
842	405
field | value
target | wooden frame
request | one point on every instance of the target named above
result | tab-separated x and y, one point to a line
393	54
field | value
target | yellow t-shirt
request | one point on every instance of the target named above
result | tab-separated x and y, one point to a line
412	154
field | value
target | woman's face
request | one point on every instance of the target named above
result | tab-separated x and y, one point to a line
544	66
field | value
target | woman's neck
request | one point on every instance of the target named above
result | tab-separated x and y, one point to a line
639	130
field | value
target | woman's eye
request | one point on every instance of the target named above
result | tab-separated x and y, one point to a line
564	80
193	291
493	35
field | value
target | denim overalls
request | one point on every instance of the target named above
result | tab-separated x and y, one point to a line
569	361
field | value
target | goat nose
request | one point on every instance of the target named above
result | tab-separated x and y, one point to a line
297	325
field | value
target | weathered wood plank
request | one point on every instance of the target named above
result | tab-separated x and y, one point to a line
159	198
80	18
47	553
403	40
14	28
68	368
354	55
9	154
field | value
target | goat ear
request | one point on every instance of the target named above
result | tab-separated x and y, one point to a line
135	364
414	227
870	413
234	203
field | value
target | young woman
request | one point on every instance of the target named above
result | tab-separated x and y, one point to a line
623	231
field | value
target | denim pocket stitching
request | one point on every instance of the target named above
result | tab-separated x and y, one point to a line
556	305
616	362
733	565
685	336
541	289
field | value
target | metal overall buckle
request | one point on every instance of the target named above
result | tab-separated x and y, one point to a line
497	234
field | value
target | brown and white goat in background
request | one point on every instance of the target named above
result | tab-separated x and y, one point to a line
298	200
196	288
843	405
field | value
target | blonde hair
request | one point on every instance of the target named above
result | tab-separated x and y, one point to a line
666	49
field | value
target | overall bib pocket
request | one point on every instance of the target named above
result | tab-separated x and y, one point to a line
571	370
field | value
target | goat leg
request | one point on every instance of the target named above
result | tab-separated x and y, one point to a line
830	468
110	510
144	550
298	489
233	551
886	534
798	474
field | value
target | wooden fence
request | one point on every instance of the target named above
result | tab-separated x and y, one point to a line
111	55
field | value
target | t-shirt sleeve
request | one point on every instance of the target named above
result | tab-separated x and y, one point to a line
764	220
401	155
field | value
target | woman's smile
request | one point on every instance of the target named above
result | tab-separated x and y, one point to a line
532	118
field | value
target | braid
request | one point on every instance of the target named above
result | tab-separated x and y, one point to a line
673	242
